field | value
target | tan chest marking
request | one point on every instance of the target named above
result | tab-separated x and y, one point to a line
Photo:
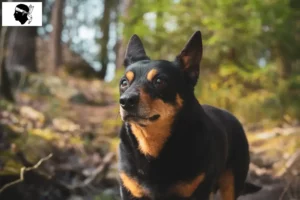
186	189
132	186
151	139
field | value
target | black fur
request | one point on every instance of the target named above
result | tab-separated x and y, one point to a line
203	138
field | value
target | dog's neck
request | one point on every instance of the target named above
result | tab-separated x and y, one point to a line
151	138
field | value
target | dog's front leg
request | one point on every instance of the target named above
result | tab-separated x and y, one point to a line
126	195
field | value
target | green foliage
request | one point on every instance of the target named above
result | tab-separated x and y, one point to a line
251	55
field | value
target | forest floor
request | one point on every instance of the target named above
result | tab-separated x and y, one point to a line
73	124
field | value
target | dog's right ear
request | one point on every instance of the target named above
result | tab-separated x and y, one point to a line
135	51
190	58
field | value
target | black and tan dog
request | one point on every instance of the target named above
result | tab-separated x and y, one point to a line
171	146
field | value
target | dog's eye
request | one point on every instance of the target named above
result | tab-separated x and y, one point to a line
159	83
124	84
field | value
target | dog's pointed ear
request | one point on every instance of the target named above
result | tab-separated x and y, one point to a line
190	58
135	51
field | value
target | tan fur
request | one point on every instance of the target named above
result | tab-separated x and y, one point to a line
179	100
132	186
186	189
226	183
130	76
152	137
151	74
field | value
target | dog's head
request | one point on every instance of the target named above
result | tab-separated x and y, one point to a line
153	90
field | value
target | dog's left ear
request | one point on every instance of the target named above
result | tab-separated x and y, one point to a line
135	51
190	58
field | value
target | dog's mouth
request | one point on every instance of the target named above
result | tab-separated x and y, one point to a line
138	118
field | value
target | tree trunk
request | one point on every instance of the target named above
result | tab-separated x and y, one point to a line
21	49
1	13
104	26
5	86
121	45
284	65
57	24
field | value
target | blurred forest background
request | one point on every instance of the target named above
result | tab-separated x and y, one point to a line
59	117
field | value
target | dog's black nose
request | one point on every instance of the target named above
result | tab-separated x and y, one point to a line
129	101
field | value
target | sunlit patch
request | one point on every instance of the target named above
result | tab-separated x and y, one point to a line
130	76
153	134
186	189
132	186
151	74
226	184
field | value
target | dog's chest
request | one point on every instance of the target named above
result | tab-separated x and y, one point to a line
154	187
161	178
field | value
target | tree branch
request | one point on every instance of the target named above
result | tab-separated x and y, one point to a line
23	170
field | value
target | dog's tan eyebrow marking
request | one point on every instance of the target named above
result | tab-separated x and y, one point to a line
130	76
151	74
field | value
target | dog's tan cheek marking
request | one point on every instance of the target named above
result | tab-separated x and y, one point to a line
152	138
226	184
151	74
186	189
121	111
130	76
132	186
